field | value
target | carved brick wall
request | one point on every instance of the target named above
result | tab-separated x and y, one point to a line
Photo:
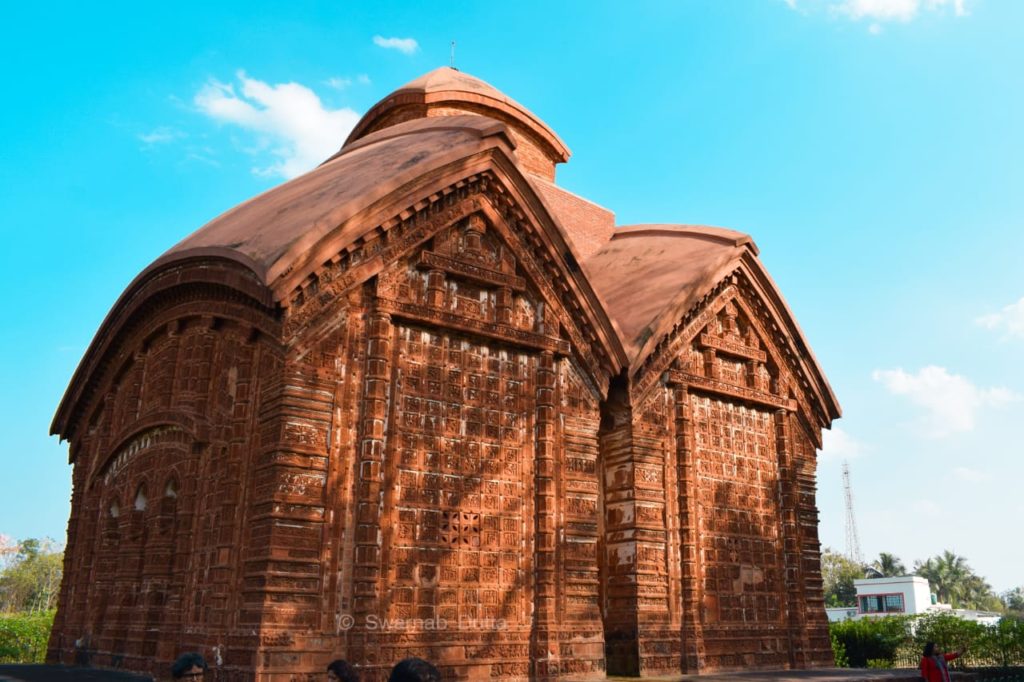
472	516
154	543
420	455
741	586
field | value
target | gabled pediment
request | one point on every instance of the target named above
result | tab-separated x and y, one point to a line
732	354
479	252
740	341
469	277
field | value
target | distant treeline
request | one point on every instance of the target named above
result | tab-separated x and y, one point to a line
951	578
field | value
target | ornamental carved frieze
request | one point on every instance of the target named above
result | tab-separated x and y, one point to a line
483	251
467	282
728	345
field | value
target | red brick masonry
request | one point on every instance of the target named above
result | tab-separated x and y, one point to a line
421	401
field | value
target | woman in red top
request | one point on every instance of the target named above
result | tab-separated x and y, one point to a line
933	663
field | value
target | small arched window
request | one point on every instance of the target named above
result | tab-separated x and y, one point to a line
172	489
140	498
115	509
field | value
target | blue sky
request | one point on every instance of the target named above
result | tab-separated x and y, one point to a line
871	147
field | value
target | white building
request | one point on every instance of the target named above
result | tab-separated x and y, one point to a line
908	594
903	595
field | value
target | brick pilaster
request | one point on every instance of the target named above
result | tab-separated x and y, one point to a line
545	616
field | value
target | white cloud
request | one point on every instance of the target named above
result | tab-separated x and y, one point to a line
403	45
959	6
1009	320
838	444
970	475
288	119
879	11
161	135
951	402
342	82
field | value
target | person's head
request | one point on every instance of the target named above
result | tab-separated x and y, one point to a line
341	671
929	649
414	670
190	666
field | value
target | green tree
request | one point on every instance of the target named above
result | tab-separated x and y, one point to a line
889	565
838	573
955	583
31	579
1013	600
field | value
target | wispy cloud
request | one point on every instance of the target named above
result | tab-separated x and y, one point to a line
160	135
838	444
403	45
343	82
288	119
879	12
339	82
1009	320
951	403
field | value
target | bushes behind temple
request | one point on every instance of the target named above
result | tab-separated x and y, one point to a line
897	641
869	639
23	636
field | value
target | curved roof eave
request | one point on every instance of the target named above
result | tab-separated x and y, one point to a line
191	267
206	245
281	265
772	294
274	229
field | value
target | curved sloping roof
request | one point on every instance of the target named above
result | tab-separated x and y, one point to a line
636	282
286	232
442	90
650	276
271	231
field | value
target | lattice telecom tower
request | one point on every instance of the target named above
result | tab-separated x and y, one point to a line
852	541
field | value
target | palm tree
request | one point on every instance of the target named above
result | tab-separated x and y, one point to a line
956	574
889	565
950	577
978	594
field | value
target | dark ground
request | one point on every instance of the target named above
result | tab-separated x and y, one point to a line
63	673
60	673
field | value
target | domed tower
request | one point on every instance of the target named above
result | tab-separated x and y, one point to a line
422	401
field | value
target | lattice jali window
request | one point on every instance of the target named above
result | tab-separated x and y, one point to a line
460	529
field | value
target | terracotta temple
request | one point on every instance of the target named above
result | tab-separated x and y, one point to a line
423	401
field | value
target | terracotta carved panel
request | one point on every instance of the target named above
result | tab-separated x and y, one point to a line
463	424
737	478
